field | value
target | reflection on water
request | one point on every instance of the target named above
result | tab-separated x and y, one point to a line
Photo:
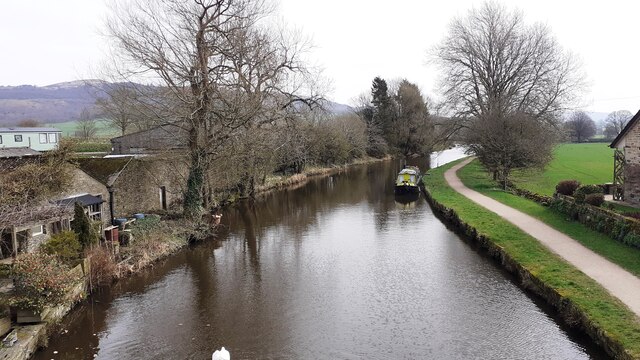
337	269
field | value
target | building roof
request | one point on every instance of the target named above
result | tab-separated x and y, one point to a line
11	152
624	131
153	128
83	200
27	129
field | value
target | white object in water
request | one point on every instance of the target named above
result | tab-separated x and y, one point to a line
221	354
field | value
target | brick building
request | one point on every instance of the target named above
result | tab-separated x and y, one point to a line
626	169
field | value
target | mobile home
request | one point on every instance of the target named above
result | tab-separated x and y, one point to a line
40	139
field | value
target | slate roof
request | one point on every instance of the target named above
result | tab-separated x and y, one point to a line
27	129
84	200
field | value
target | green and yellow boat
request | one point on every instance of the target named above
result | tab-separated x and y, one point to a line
408	180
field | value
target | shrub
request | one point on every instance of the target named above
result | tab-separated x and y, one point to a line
583	190
567	187
632	239
102	265
40	280
594	199
88	231
142	227
65	246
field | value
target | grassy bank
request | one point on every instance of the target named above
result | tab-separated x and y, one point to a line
606	314
587	163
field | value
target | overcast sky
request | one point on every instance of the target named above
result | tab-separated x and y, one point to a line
44	42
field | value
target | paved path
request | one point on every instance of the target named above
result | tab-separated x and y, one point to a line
619	282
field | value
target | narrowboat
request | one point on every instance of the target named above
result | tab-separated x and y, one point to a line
408	181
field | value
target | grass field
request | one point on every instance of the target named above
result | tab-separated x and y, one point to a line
587	163
68	129
603	310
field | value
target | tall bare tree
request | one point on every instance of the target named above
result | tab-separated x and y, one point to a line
615	122
496	69
580	126
222	67
86	125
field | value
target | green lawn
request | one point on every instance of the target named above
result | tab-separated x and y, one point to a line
68	129
604	311
587	163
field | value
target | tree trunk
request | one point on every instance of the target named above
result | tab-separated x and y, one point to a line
195	184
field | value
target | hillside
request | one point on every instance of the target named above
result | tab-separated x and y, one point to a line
48	104
63	102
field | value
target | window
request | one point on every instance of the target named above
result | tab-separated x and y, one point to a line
0	139
37	230
43	138
53	138
17	138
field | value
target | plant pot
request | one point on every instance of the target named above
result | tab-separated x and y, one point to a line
27	316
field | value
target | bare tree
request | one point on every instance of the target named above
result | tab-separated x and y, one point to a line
119	106
496	69
615	123
86	125
222	68
507	143
580	126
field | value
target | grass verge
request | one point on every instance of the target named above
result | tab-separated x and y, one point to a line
605	313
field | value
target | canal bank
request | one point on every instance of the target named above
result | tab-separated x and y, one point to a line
580	302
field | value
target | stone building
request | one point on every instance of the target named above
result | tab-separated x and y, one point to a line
626	165
139	185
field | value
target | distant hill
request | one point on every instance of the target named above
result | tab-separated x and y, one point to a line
48	104
63	102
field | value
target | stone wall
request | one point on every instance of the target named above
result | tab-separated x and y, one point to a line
139	186
632	166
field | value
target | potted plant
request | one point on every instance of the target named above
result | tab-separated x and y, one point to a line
40	280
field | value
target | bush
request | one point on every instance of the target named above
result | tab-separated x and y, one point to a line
40	280
584	190
594	199
65	246
632	239
103	267
567	187
142	227
88	231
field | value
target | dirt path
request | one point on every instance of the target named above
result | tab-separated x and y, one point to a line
619	282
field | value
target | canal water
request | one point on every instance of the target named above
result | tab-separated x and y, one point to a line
338	268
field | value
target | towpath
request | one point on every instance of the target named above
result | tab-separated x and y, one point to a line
619	282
